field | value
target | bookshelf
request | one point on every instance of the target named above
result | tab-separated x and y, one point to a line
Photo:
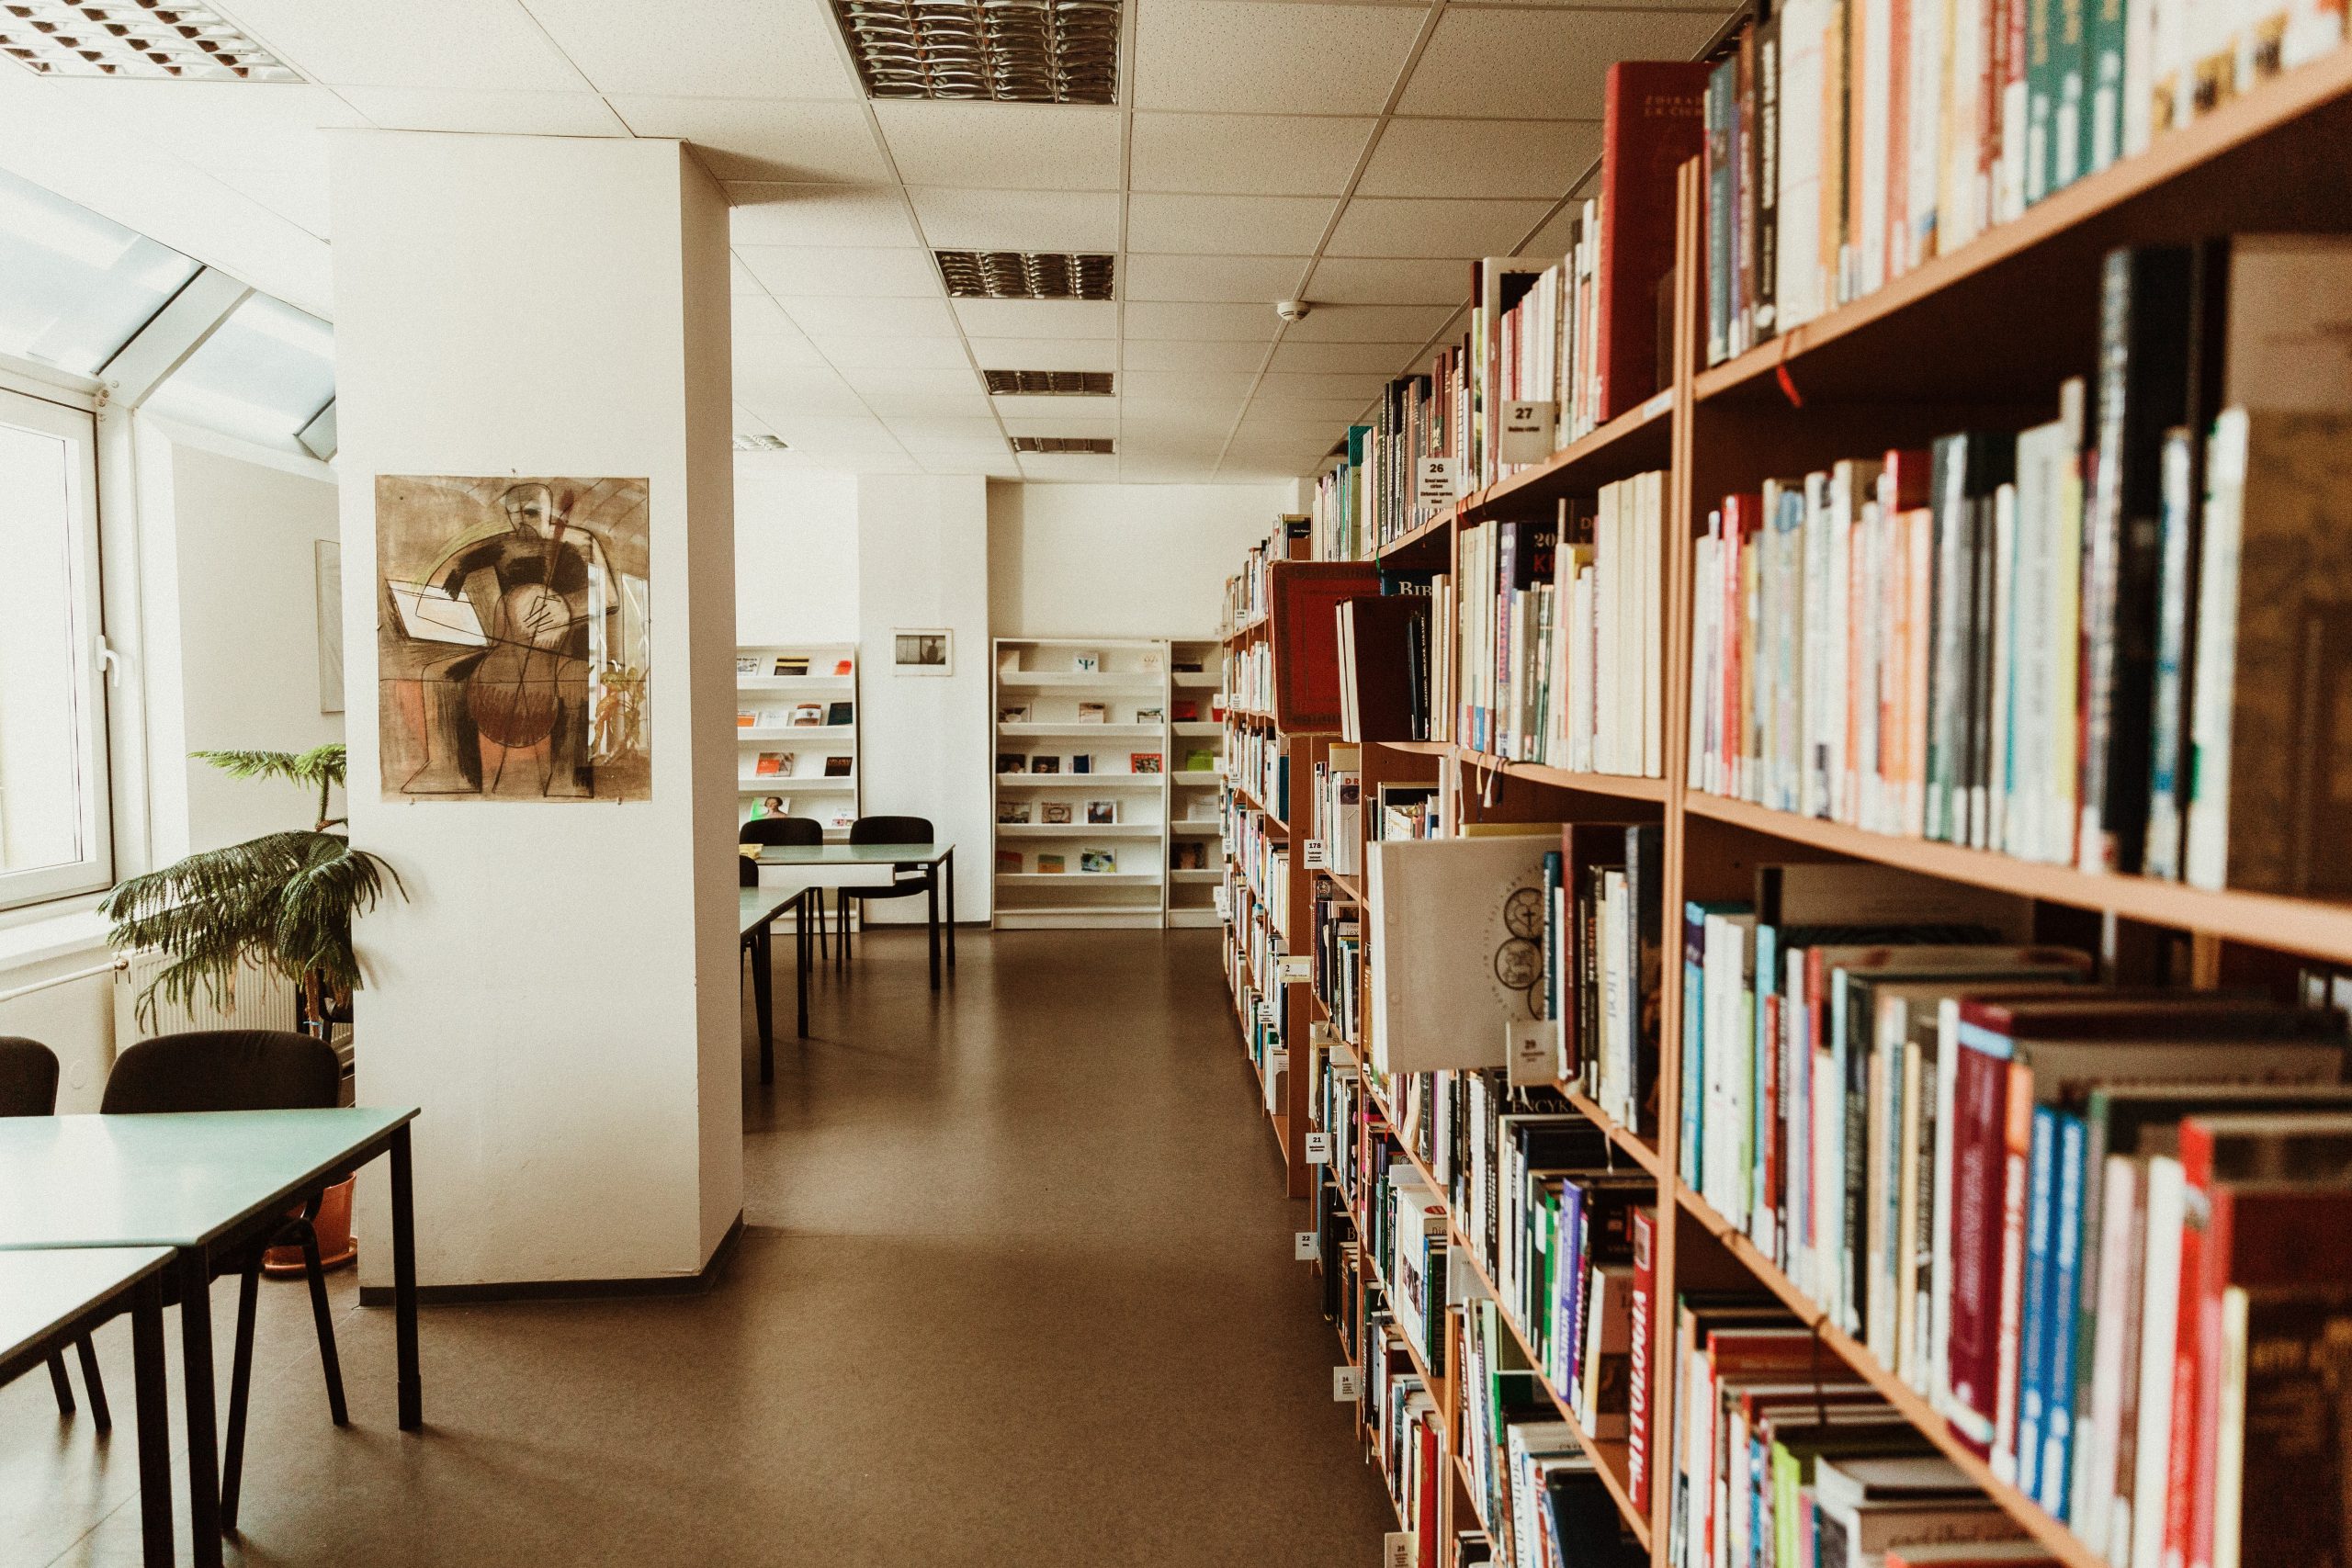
1099	713
1950	345
803	722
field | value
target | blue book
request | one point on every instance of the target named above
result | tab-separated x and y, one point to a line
2066	1280
2033	1327
1567	1283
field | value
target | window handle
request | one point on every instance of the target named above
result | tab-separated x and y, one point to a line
111	663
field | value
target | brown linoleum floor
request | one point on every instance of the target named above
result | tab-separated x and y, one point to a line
1017	1288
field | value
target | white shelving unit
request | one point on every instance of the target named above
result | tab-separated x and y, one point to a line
1195	834
803	718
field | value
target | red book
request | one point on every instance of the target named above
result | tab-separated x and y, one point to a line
1302	627
1653	121
1637	1394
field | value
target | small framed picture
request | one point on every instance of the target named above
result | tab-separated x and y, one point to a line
1054	812
926	651
1011	762
1097	861
1013	811
1017	713
1143	761
1081	762
1044	764
747	664
1101	813
1086	661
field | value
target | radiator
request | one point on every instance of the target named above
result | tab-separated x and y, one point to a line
262	998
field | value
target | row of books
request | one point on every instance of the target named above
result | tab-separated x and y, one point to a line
1258	763
1249	677
1246	599
1335	811
1601	956
1408	1430
1338	959
1259	861
2041	643
1561	634
1848	142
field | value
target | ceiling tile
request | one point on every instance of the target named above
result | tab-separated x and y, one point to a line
1199	278
1245	154
871	318
1480	157
1541	63
1038	318
1191	355
1207	225
489	44
897	407
862	270
1002	146
1290	386
1044	353
771	214
1331	415
484	113
745	49
1380	358
1181	420
818	432
916	380
764	138
740	279
1086	468
1015	405
773	392
892	352
1017	220
1367	280
1391	226
1074	423
1242	56
939	432
1224	323
1209	386
1371	323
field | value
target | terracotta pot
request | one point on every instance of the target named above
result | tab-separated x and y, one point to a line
336	1247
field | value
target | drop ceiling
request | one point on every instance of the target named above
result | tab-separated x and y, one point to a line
1356	155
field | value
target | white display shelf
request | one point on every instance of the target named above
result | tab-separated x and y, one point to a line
786	783
842	735
1066	830
1068	781
1058	680
794	682
813	795
1110	731
1084	878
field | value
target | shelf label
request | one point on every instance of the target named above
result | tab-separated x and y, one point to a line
1347	1385
1438	482
1306	1246
1532	1050
1527	430
1318	1148
1295	968
1317	859
1400	1548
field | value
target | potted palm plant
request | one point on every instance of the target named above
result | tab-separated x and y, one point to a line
282	902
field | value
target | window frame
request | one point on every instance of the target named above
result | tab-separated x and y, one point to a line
47	403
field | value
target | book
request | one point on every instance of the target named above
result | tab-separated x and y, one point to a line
1382	646
1149	715
1050	863
1184	710
1200	760
1054	812
807	715
1011	762
1086	661
1081	762
1014	712
1008	861
792	664
1043	764
774	762
1097	861
1101	813
1011	811
837	767
747	664
1093	713
1652	121
1303	635
840	713
1143	761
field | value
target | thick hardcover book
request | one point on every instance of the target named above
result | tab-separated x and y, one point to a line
1637	1394
1968	471
1652	120
2143	390
1388	636
2284	1429
1304	633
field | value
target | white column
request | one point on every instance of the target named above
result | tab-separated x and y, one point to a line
559	989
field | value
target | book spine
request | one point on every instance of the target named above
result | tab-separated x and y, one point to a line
2025	1447
1637	1392
2067	1219
1765	176
1979	1184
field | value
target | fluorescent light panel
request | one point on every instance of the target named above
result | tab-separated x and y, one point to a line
1025	274
759	441
1023	52
149	38
1048	383
1096	445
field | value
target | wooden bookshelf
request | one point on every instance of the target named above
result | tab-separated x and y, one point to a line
1978	338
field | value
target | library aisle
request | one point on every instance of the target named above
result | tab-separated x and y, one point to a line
1016	1287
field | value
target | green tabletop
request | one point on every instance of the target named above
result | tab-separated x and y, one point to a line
852	854
41	1291
174	1179
756	907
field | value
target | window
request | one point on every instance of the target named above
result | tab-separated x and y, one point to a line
79	286
53	837
263	375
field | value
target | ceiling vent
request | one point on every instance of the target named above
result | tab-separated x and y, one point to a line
1048	383
1025	274
1021	51
1064	446
149	38
746	441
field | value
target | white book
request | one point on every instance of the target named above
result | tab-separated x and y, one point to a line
2206	861
1959	191
1704	680
2005	629
1653	568
2159	1310
1923	135
2097	1443
1814	636
1798	287
1878	67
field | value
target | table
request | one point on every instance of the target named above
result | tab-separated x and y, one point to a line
203	1183
836	865
757	911
49	1298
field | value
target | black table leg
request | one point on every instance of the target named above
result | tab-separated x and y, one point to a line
931	923
762	997
800	961
154	1422
411	1381
241	1385
193	1269
951	911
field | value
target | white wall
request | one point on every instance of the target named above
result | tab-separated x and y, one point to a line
922	553
1120	560
560	991
796	554
228	536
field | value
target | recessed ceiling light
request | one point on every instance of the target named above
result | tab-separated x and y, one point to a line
1024	51
149	38
1049	383
760	442
1095	444
1025	274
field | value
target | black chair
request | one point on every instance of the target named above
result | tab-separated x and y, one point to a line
779	830
28	1087
905	882
245	1069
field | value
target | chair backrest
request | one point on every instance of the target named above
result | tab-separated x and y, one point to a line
27	1076
225	1069
781	830
890	830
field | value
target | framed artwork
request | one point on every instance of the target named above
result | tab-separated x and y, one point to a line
928	651
1101	813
